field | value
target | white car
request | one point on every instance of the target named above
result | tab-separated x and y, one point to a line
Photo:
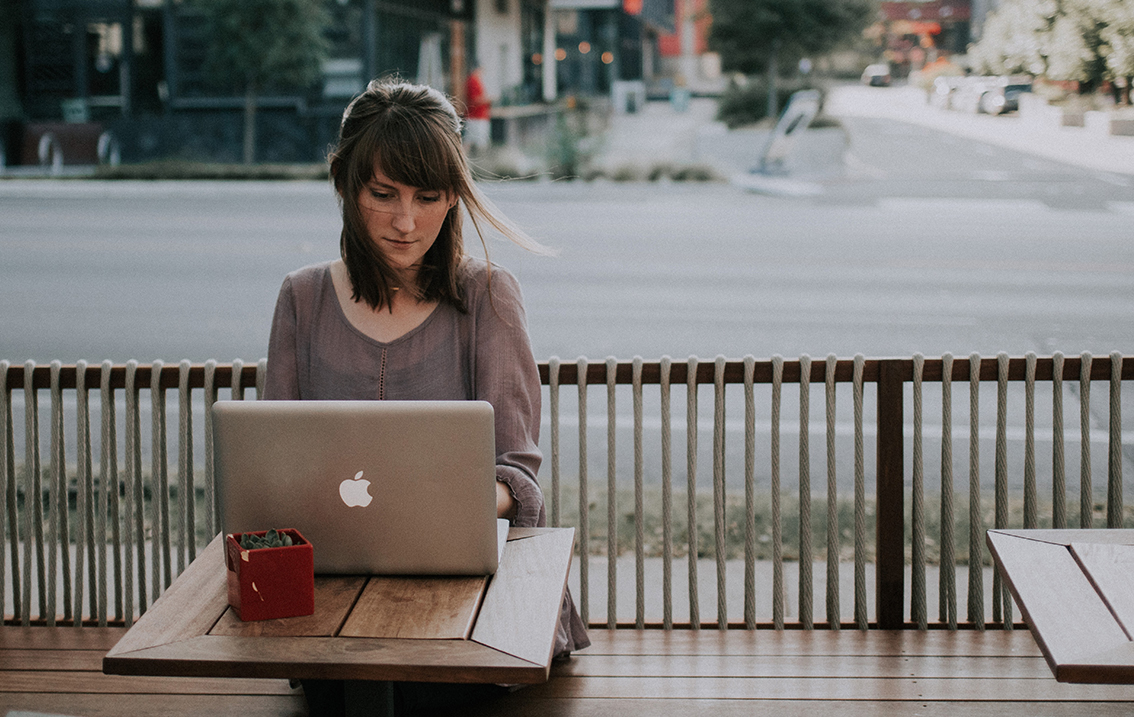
876	75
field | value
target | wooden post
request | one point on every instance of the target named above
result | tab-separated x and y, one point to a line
890	537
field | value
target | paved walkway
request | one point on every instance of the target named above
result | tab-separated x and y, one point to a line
660	134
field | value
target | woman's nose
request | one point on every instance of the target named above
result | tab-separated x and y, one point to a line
403	219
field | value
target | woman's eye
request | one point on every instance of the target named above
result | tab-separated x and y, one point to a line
431	198
380	195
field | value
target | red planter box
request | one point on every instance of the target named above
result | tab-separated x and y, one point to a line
268	583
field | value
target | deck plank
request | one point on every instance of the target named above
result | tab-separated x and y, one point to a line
654	673
155	705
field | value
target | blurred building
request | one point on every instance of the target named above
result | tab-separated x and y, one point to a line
609	48
913	34
136	68
685	56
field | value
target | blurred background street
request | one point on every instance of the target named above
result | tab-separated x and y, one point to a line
920	240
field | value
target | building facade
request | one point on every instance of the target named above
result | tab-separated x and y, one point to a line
137	68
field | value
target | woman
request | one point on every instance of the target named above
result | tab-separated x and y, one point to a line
405	314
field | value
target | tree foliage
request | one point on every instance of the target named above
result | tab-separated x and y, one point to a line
1088	41
266	44
752	34
263	45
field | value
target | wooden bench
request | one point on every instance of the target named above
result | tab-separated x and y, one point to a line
625	672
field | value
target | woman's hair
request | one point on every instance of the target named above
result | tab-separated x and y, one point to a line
413	134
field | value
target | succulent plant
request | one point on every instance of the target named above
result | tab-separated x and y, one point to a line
272	539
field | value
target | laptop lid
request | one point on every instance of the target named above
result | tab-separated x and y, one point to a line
378	487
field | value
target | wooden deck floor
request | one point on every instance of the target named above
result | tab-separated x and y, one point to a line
627	674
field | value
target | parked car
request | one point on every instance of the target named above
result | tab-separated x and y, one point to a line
989	95
1003	97
876	75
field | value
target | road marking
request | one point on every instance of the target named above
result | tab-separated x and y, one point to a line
1115	179
961	204
991	175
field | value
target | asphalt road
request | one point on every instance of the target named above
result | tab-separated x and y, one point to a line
923	243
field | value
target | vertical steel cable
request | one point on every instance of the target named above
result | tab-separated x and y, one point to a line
135	517
611	496
107	512
806	586
186	493
1001	598
691	489
976	532
159	487
861	618
237	382
777	518
553	393
749	493
584	507
212	495
59	547
1114	460
83	478
33	499
947	571
719	489
918	608
1031	517
9	527
665	368
33	494
1086	492
639	507
833	616
1058	462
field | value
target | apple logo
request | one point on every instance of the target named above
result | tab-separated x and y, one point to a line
355	492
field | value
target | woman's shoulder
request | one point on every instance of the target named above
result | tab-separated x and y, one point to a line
479	277
309	278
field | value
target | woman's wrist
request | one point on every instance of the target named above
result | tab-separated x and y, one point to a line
505	503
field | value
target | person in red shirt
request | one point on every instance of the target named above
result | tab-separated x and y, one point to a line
477	118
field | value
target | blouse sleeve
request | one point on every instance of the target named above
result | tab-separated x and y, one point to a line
282	380
506	376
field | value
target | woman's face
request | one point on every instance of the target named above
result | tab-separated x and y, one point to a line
402	221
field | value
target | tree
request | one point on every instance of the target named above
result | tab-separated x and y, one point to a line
259	45
762	35
1119	38
1087	41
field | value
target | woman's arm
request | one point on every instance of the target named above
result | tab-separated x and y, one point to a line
282	380
506	376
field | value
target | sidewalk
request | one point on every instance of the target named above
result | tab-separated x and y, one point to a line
659	134
1071	145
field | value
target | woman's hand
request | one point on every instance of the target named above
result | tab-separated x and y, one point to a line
505	503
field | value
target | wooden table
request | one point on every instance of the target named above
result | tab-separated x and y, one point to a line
1076	590
464	629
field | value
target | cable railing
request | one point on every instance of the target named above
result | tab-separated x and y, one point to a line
700	478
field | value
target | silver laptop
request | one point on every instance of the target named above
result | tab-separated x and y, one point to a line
377	487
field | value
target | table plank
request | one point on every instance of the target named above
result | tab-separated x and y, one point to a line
521	608
1110	568
417	608
1050	587
188	608
1066	536
330	658
334	596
